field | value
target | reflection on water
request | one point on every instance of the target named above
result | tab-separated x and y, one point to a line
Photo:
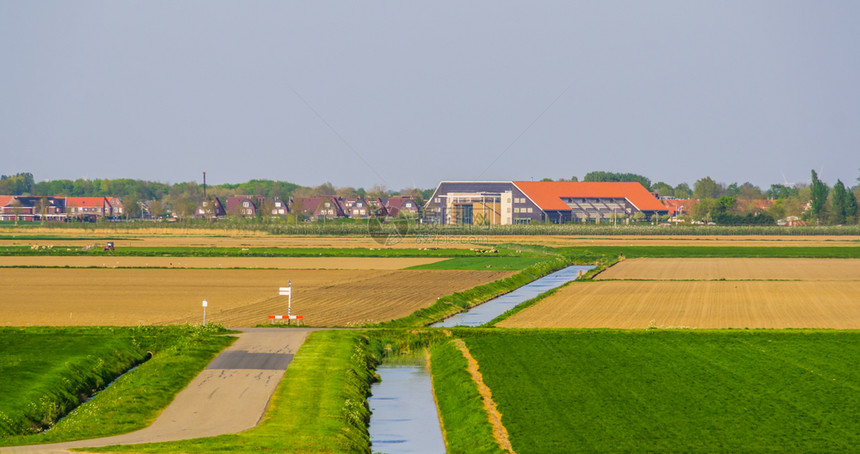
404	418
485	312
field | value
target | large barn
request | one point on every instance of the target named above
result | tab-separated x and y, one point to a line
520	202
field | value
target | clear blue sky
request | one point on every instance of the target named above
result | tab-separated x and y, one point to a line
410	93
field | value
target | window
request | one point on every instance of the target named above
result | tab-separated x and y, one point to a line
516	210
530	210
246	203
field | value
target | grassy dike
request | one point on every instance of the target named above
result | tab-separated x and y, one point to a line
48	371
320	405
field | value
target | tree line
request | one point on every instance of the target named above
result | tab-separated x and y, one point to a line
735	203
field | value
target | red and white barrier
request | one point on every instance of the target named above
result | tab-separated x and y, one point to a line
298	318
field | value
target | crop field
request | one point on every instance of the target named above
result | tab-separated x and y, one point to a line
696	304
124	297
283	263
706	293
735	269
686	240
678	391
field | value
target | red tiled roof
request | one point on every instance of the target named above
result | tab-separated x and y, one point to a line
547	194
85	202
679	205
6	200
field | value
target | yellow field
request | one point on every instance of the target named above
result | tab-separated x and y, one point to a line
683	240
734	269
667	293
284	263
237	298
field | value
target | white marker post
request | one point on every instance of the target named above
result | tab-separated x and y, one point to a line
205	303
289	292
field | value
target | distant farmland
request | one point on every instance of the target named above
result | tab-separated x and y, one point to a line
706	293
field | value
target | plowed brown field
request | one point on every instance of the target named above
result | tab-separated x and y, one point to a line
58	296
735	269
283	263
756	293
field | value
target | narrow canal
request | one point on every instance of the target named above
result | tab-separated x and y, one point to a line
404	418
485	312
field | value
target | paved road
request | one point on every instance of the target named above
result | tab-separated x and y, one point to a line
229	396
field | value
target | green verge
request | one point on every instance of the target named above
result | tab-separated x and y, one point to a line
461	407
460	301
320	406
673	390
56	367
481	263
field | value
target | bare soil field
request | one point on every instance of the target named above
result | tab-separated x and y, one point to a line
283	263
696	304
734	269
237	298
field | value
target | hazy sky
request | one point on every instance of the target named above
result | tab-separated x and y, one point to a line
410	93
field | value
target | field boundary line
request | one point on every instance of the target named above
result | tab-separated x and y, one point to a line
499	431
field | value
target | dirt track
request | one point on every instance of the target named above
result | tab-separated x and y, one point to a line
230	396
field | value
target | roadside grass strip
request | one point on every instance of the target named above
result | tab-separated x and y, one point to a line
465	423
49	371
320	405
681	391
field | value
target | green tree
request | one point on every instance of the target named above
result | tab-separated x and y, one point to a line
601	176
663	189
818	197
683	191
707	188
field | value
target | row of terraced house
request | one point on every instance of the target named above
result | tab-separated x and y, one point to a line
42	208
319	208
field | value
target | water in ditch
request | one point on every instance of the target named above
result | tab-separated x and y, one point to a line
404	418
485	312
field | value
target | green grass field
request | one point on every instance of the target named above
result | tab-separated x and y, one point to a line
482	263
718	251
48	371
687	391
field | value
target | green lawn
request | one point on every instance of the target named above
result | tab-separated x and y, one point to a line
701	391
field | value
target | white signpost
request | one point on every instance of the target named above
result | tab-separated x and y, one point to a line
289	292
205	303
